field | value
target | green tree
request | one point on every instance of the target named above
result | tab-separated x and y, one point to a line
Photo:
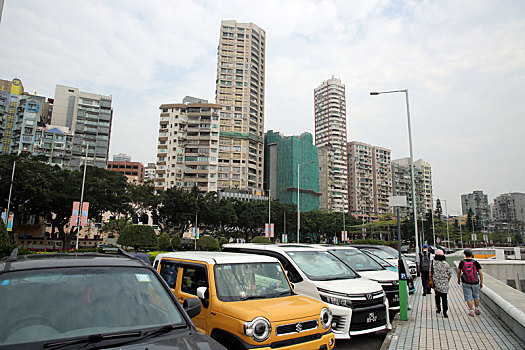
113	226
176	242
208	243
5	244
223	241
163	243
260	239
142	198
177	209
138	237
438	210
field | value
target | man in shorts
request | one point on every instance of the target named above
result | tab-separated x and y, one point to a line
471	278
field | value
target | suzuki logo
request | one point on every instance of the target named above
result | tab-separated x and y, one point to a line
298	327
369	296
371	317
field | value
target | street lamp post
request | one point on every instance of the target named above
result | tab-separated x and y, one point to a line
79	219
446	213
298	197
411	161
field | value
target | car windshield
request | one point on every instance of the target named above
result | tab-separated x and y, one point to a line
42	305
357	260
382	254
321	265
235	282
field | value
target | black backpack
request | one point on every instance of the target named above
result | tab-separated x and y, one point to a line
425	261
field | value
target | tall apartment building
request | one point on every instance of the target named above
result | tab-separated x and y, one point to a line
402	185
509	208
188	145
149	171
240	90
330	130
24	125
55	143
89	116
20	116
426	169
478	202
282	156
370	179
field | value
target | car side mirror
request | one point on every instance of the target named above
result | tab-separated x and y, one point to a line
192	306
201	292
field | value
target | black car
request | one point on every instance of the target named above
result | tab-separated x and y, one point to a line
92	300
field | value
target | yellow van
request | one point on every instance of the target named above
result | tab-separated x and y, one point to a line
247	301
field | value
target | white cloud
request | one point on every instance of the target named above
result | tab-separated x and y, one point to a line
463	63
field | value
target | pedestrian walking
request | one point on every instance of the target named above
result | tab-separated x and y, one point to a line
424	267
440	275
471	278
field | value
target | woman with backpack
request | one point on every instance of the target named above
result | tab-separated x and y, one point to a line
440	275
469	272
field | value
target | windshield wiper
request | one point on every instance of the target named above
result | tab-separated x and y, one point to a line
161	330
250	297
96	338
336	278
91	339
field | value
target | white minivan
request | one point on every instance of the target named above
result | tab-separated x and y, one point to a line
369	268
358	305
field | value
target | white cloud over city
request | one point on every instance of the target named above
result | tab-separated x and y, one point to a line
462	61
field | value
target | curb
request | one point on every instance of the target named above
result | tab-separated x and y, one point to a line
390	333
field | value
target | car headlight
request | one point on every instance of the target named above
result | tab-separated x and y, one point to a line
336	301
259	329
326	318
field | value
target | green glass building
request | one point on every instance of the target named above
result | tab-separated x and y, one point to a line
282	154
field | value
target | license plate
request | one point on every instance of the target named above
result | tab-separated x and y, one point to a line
372	317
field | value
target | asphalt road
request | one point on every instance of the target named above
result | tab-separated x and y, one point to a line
366	341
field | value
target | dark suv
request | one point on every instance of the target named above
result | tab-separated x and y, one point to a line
92	300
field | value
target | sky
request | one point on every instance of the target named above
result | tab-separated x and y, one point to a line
463	63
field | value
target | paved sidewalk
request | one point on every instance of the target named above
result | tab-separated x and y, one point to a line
425	329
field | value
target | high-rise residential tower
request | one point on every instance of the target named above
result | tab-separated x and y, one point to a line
89	116
402	186
370	179
478	202
282	156
240	90
509	208
330	130
188	145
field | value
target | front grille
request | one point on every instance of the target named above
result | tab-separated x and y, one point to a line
297	327
340	322
295	341
368	319
357	304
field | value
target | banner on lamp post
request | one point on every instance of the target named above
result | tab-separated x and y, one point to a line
10	219
76	213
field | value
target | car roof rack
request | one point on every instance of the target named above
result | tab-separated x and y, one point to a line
12	257
119	251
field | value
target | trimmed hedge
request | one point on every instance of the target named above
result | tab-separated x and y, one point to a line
260	239
138	237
